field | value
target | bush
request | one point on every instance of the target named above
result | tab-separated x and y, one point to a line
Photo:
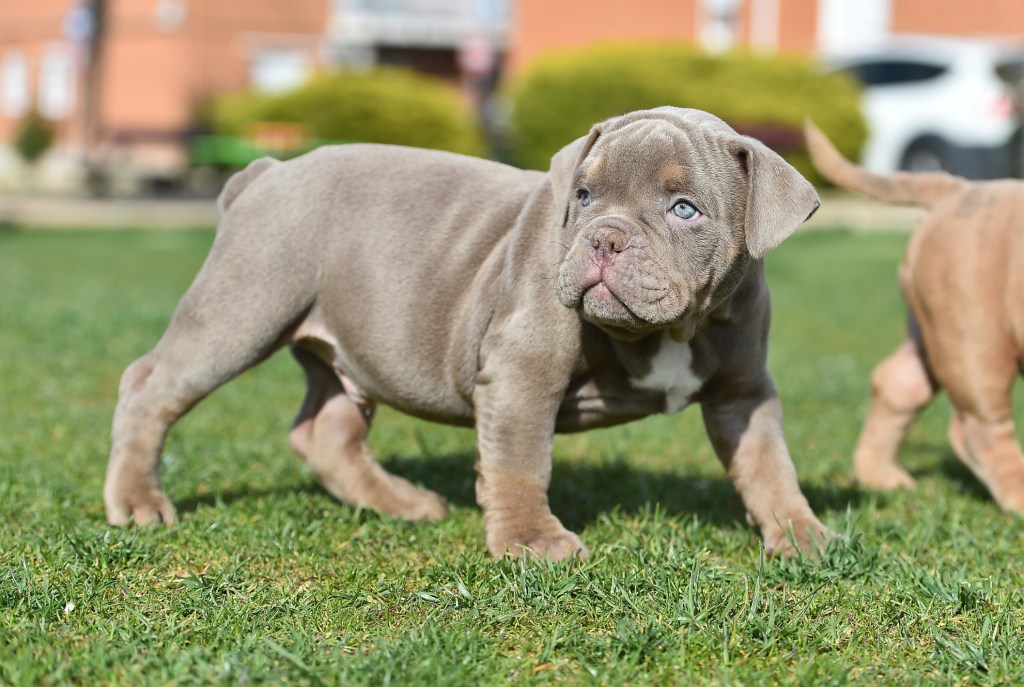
386	105
561	95
33	137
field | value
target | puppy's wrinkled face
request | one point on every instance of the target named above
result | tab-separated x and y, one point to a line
655	228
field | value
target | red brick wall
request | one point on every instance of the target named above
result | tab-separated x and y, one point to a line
28	27
798	26
542	25
153	80
959	17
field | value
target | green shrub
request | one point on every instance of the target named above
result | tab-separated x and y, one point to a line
33	137
561	95
385	105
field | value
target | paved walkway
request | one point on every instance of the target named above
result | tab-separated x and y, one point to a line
846	210
63	212
838	209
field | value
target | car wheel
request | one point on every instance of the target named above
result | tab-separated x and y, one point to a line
926	155
205	181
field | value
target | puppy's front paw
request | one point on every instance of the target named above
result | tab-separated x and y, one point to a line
805	533
145	507
548	540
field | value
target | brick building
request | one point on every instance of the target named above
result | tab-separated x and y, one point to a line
131	101
798	26
159	60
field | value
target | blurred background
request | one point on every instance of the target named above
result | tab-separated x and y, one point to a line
132	98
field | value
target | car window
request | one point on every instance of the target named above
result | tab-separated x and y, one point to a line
1011	71
885	72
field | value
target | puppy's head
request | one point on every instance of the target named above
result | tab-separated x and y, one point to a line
662	210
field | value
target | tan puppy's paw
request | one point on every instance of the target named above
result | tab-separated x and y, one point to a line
808	534
1009	493
886	478
550	540
145	508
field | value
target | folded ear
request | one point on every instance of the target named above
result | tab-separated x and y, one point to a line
779	198
563	168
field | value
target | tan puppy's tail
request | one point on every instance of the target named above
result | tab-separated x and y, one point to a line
923	189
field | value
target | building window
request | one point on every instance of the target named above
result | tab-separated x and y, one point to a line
14	95
274	71
719	23
851	26
56	82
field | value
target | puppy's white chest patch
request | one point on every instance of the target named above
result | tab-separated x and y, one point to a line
671	373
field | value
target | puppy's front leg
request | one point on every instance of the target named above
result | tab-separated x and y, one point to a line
747	435
515	423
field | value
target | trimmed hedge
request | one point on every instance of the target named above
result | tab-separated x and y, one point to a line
33	137
385	105
562	94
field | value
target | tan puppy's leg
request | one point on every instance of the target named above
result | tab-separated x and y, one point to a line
900	389
748	438
956	437
994	455
979	374
330	435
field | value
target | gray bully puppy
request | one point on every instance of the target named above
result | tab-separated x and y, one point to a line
628	281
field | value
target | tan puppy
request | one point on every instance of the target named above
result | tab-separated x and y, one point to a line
626	282
963	279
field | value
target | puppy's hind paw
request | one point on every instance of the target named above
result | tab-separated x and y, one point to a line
391	495
1009	493
417	504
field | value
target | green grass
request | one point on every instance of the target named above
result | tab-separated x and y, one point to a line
266	579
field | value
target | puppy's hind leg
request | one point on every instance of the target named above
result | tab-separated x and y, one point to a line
982	429
132	488
231	318
330	435
901	387
156	391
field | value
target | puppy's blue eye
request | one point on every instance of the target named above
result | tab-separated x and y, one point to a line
584	196
684	210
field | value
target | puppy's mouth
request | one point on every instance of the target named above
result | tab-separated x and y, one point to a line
629	305
602	303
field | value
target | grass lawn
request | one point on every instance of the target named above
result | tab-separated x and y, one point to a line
267	579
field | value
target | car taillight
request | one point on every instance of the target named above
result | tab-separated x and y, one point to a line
1003	106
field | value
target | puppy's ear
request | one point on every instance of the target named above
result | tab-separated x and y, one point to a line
779	198
563	168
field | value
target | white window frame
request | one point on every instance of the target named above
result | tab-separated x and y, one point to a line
57	87
274	70
15	96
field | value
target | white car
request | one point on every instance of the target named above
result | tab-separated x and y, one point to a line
941	103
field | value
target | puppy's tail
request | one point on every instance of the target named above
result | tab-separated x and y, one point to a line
240	181
921	189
